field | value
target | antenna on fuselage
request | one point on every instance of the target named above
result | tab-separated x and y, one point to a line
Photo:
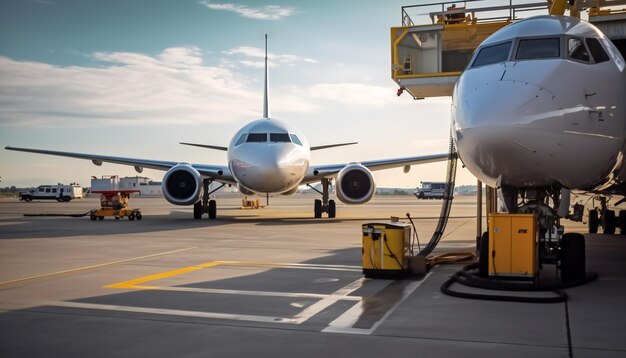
266	105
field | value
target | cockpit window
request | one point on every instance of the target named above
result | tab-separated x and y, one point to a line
531	49
598	53
492	54
279	137
241	139
576	50
256	138
295	139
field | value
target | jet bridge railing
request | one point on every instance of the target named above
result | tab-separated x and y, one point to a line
475	11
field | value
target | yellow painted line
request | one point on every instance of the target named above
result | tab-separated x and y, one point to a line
19	280
138	281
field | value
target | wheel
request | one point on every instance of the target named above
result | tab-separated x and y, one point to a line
622	222
100	217
332	209
572	257
421	196
59	200
483	256
92	217
609	222
212	209
197	210
593	222
28	198
317	208
131	217
117	218
139	216
67	198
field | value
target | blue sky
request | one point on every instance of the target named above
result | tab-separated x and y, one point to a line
134	78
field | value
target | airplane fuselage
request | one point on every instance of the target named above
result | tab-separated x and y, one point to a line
268	156
544	106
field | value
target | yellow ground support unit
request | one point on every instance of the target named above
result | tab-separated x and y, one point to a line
513	245
386	247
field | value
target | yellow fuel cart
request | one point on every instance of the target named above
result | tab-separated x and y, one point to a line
115	203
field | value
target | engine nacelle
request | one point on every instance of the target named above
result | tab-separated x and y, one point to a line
182	185
355	184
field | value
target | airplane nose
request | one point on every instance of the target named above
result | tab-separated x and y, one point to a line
519	133
272	169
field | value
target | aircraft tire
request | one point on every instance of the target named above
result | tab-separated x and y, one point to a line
483	256
332	209
593	222
609	222
197	210
622	222
572	257
317	208
212	209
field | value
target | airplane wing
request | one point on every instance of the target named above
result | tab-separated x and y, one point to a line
216	147
317	172
220	173
318	147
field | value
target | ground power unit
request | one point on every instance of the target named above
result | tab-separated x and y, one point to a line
513	250
386	249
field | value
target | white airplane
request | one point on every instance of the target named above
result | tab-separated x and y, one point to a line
267	157
540	110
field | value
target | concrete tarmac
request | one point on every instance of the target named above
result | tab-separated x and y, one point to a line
272	282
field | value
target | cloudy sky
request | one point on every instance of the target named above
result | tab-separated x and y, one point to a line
134	78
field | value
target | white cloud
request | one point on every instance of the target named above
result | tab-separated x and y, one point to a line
256	64
255	52
173	87
269	12
353	94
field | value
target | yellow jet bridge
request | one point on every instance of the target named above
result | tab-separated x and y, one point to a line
428	59
436	41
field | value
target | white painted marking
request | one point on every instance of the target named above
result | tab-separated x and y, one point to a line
248	292
312	310
171	312
340	294
344	323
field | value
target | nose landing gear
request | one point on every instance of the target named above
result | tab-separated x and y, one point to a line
325	205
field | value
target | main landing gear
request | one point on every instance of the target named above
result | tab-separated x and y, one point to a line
606	218
206	206
324	205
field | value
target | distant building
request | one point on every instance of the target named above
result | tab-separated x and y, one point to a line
145	186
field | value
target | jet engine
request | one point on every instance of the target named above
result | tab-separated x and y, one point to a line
182	185
355	184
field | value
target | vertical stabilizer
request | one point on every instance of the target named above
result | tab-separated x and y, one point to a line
266	105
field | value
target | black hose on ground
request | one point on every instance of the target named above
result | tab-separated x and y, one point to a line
468	276
70	215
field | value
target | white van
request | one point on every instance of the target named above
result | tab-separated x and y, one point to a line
58	192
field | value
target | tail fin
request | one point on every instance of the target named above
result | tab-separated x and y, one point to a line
266	105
